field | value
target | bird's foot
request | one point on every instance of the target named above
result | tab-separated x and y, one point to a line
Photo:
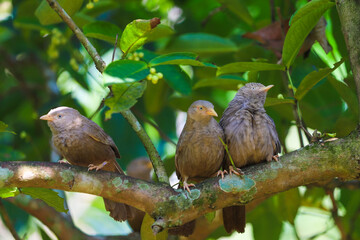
236	171
96	167
187	186
63	161
275	158
222	173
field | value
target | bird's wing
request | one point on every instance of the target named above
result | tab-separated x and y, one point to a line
99	135
274	134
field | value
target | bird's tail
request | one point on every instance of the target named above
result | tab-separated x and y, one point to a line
118	211
234	218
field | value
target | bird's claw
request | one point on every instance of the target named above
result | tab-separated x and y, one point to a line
63	161
275	158
236	171
222	173
96	167
187	186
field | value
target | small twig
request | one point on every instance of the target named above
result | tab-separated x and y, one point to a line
99	63
154	156
7	221
115	45
272	8
211	14
161	133
335	215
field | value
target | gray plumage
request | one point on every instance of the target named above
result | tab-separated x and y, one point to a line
251	138
83	143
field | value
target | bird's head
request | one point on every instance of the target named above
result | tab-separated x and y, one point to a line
253	95
201	110
62	118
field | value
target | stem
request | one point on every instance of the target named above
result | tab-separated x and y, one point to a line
149	146
128	115
7	221
99	63
335	215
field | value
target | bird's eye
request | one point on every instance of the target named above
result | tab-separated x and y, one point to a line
201	108
59	116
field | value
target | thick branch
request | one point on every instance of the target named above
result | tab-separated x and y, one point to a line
350	21
127	114
312	164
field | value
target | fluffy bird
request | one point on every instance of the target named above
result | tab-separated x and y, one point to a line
199	151
251	137
83	143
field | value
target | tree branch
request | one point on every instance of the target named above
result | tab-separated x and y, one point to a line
350	21
312	164
7	221
127	114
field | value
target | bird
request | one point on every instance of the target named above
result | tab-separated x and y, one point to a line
139	168
84	143
199	151
251	138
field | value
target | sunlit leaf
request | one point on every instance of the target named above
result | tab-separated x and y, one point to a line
313	78
125	96
228	82
8	192
49	196
125	71
47	15
140	31
146	230
3	128
179	59
302	23
248	66
275	101
201	43
102	30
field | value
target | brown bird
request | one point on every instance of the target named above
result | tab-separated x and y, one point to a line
139	168
199	152
251	137
83	143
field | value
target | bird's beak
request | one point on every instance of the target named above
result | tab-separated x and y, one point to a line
211	112
267	88
149	165
47	117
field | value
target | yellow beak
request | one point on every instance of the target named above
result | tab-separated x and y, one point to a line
211	112
267	88
47	117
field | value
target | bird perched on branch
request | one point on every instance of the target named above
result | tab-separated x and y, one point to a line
83	143
251	137
199	152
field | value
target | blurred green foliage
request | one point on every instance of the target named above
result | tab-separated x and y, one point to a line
43	66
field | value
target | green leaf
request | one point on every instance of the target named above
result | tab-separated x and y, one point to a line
239	9
125	96
346	93
179	59
303	22
176	78
228	82
313	78
47	15
201	43
8	192
9	154
288	205
210	216
102	30
3	127
50	197
276	101
248	66
140	31
146	230
125	71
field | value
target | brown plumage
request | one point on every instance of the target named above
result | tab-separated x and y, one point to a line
199	152
251	138
139	168
83	143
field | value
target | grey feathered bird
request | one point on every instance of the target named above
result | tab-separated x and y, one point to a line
83	143
199	152
251	138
